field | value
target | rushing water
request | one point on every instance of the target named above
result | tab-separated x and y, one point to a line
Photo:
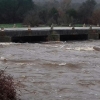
59	71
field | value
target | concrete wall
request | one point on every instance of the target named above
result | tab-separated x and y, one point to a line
93	34
4	37
43	33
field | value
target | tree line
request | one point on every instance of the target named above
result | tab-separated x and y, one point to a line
58	13
13	11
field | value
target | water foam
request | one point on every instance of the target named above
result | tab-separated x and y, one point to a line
81	48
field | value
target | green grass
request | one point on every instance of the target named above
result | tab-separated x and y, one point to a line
81	25
19	25
11	25
78	25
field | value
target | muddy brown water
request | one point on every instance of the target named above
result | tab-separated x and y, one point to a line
60	71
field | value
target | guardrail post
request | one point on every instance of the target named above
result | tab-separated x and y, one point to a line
2	28
84	25
14	25
29	28
52	27
73	28
90	27
69	25
29	31
97	25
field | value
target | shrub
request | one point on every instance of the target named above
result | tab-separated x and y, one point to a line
7	87
54	36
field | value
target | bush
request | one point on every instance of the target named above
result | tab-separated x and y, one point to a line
54	36
7	87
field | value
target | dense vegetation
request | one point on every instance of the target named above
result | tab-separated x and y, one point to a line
57	12
12	11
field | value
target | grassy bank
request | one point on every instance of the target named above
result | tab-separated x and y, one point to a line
11	25
19	25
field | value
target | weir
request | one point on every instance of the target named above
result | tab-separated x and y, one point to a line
40	34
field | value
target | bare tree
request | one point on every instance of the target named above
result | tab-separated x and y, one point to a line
95	19
64	4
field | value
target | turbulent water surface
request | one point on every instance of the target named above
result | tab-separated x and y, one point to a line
55	71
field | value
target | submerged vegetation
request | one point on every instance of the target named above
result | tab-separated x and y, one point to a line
54	36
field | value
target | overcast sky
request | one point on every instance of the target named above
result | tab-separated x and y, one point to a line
82	1
74	1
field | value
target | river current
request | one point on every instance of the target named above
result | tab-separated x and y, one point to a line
54	71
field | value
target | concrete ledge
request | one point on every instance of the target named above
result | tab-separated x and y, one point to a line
42	32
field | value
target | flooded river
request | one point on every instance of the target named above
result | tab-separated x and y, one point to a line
59	71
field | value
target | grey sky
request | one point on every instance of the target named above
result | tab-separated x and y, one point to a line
74	1
83	1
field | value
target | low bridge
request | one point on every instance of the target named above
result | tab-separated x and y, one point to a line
39	34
